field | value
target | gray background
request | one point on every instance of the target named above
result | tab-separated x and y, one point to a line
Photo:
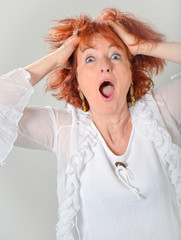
28	201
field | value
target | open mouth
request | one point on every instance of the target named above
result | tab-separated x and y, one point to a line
107	89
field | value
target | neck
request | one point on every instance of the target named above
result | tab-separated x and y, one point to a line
113	126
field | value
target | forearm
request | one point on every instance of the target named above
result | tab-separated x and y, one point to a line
58	58
42	67
170	51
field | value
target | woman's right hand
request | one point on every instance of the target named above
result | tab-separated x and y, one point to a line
58	58
63	53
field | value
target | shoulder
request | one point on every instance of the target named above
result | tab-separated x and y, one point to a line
168	91
157	109
63	116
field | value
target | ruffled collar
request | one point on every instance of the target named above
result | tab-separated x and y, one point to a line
148	120
85	136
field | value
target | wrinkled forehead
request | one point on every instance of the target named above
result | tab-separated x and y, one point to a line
98	38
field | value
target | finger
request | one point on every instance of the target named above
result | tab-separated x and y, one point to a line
73	40
67	66
118	27
67	49
75	32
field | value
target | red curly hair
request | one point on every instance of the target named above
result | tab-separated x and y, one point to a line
64	81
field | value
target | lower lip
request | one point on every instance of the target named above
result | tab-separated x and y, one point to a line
109	98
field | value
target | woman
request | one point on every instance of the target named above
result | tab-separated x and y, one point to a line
117	143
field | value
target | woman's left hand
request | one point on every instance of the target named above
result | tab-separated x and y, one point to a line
128	39
170	51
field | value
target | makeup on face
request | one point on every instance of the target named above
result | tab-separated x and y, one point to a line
103	73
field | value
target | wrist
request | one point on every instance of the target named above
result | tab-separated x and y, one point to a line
55	59
146	48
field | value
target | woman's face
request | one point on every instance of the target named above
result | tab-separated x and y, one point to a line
104	75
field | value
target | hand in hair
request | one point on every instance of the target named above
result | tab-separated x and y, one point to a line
66	50
57	59
170	51
134	46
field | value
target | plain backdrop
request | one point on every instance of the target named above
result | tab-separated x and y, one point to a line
28	201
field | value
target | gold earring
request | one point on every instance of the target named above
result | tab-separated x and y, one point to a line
132	95
83	101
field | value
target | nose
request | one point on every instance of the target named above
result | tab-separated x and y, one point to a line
105	67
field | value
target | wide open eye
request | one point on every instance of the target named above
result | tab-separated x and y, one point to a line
116	56
89	59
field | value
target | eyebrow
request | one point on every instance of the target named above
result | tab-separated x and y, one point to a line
86	48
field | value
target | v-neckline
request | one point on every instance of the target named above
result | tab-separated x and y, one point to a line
109	151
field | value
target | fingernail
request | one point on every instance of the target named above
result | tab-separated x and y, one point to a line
75	31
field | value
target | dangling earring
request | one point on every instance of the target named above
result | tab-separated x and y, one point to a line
83	101
131	95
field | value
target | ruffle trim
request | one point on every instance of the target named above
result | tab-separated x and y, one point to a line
87	139
153	128
10	115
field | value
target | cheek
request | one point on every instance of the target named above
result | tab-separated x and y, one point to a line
125	76
128	73
84	79
81	80
79	77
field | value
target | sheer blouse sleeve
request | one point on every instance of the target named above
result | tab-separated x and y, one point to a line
170	94
28	127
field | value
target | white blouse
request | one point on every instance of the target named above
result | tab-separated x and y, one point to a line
97	199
